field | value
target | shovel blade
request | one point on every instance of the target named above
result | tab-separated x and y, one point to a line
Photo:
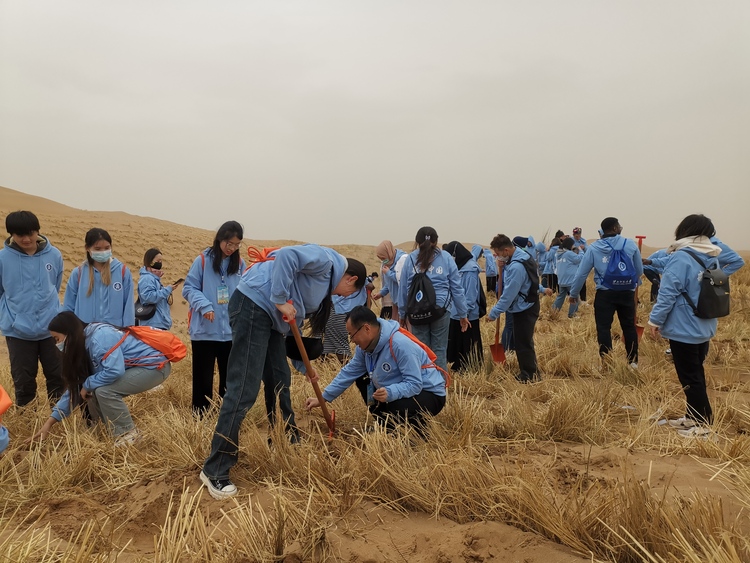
498	353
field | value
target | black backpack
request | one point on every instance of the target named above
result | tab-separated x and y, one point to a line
532	270
713	299
421	302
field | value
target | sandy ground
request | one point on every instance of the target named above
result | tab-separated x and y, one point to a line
372	533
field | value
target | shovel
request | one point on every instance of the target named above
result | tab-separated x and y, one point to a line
497	349
329	416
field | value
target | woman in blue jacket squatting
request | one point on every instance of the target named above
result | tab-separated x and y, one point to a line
152	292
465	347
295	282
101	366
211	280
442	271
399	382
672	317
100	289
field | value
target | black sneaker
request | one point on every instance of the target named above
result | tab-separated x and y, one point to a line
219	488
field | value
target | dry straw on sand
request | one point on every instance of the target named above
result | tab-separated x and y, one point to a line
575	468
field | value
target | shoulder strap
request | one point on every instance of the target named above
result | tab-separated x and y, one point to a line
691	253
430	354
124	336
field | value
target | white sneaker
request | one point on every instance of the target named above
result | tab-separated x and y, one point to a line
634	365
219	488
129	438
682	423
696	432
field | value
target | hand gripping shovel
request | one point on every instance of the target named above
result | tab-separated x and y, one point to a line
497	349
329	416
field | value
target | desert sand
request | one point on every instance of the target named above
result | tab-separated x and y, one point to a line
573	444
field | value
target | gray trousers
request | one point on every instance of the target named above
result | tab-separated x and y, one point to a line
107	402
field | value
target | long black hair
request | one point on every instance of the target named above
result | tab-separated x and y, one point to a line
695	225
228	230
320	318
426	240
76	363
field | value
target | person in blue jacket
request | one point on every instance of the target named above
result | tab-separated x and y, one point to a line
540	249
673	318
102	365
729	260
388	256
442	271
31	272
653	267
580	243
100	289
291	284
518	300
152	292
396	378
608	301
209	284
490	271
568	259
550	266
465	347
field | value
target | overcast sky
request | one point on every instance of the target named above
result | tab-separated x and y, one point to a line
355	121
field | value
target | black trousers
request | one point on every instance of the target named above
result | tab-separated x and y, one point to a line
25	356
582	294
491	284
386	312
464	347
206	354
412	409
688	361
655	280
523	336
606	304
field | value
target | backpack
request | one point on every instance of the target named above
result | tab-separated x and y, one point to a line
144	311
713	299
421	302
164	341
532	270
430	354
620	274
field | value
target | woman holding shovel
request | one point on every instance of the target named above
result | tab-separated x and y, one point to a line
291	284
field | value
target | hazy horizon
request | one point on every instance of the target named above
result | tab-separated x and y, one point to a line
343	122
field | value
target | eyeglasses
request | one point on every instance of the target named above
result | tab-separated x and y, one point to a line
351	336
231	245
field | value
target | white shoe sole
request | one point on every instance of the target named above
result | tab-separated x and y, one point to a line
218	495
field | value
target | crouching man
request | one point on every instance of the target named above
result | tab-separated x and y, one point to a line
394	374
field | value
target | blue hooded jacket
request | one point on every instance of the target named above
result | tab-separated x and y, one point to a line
443	273
567	265
100	339
490	266
401	372
29	290
152	292
516	284
469	276
597	256
671	312
658	259
113	303
200	290
390	283
306	274
729	260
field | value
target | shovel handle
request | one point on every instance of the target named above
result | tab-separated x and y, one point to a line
311	373
497	331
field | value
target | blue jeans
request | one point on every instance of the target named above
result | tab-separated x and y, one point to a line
435	335
258	353
560	301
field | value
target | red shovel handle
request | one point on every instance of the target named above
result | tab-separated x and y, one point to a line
330	422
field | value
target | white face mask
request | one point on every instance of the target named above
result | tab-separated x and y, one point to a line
502	259
61	345
101	256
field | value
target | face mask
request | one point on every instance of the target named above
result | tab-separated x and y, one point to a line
156	265
102	256
502	259
61	345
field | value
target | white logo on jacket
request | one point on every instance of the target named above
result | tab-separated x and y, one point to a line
117	286
386	367
48	266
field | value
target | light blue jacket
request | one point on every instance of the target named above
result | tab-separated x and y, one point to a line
516	284
152	292
580	244
567	265
390	283
550	261
29	290
200	290
469	276
476	251
400	372
113	303
659	260
541	255
729	260
490	266
671	312
443	273
306	274
100	339
597	257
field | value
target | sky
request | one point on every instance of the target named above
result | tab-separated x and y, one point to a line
354	121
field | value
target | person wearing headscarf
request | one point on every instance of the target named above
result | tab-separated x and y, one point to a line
389	256
465	348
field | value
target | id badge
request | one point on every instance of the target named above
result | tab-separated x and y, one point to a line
370	391
222	295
